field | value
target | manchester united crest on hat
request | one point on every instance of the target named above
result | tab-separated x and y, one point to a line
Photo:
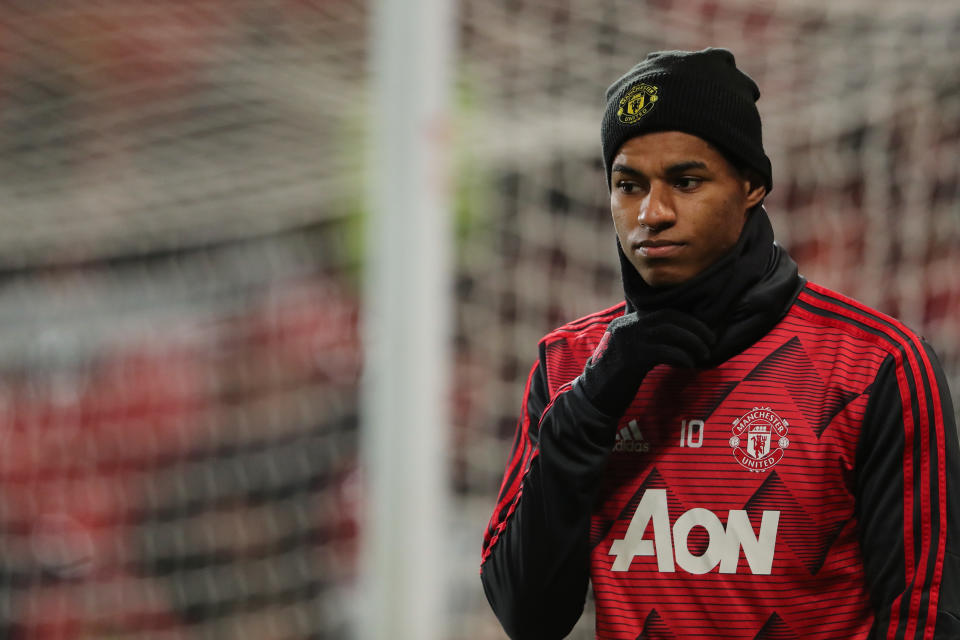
637	102
759	439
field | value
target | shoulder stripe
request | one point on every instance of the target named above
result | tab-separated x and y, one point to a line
603	322
562	390
510	497
616	309
511	486
903	617
918	612
600	317
823	307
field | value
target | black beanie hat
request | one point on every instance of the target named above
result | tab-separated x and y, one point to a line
697	92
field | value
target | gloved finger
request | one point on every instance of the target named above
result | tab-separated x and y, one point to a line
696	326
676	318
625	322
674	336
672	355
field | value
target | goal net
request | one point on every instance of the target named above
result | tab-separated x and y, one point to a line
179	353
181	198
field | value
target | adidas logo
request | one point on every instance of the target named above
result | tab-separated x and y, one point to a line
630	439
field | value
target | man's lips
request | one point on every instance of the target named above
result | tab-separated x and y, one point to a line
658	248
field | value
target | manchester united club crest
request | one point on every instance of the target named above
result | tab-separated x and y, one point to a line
759	438
637	102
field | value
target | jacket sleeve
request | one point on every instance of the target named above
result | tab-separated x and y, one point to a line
907	493
535	562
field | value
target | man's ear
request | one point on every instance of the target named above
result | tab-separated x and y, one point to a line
756	190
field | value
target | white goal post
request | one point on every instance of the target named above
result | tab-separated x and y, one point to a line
407	321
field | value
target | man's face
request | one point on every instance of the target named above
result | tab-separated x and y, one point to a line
678	205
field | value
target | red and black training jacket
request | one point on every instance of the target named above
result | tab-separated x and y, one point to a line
807	487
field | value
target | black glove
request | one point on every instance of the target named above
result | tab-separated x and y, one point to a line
632	346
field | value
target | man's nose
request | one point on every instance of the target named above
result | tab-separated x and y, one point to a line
656	210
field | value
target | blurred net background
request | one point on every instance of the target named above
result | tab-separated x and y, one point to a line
181	199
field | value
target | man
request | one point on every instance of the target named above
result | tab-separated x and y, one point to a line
732	452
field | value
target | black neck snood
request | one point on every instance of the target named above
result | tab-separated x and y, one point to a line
740	297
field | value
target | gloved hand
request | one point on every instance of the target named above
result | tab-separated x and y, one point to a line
635	344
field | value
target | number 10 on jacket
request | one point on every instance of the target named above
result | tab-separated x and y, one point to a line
691	433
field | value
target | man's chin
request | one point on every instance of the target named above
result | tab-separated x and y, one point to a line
663	276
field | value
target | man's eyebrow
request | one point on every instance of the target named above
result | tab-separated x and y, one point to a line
681	167
622	168
673	169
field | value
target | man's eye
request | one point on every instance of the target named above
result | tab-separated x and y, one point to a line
627	187
687	183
